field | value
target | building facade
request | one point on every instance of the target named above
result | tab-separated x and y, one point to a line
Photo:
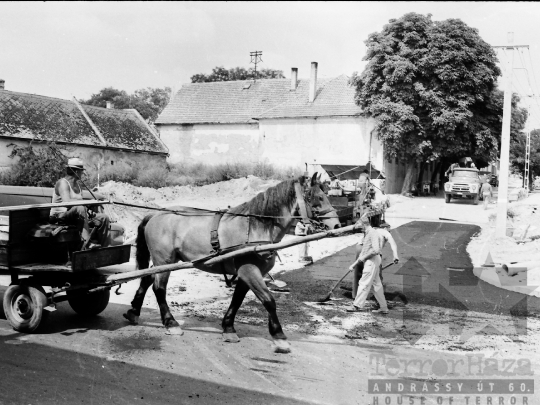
286	122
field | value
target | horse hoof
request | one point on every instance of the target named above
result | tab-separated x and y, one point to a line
281	346
131	317
175	330
231	338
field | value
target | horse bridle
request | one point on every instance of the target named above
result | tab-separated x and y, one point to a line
319	214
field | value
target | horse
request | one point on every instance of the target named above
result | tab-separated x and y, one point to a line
170	237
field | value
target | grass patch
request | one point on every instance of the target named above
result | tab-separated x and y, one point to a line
36	169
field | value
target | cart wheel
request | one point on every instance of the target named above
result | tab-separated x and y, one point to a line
88	304
23	306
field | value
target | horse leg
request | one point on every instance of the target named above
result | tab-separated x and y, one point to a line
160	290
252	276
133	314
229	333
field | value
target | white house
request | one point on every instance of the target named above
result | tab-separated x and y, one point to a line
287	122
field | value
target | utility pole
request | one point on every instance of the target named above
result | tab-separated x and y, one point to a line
504	160
527	161
255	58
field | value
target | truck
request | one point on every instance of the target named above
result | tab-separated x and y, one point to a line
463	182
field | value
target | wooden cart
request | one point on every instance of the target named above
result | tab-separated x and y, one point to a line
37	254
34	253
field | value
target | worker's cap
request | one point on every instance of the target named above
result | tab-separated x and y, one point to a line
75	163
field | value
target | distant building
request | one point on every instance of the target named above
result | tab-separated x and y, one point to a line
98	135
288	122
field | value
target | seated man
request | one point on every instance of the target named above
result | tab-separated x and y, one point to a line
68	188
336	189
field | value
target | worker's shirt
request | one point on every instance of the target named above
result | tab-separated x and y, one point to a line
486	188
364	177
374	242
300	229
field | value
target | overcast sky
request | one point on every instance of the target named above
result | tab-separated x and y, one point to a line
70	49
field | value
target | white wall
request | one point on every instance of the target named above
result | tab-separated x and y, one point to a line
211	143
333	140
91	156
290	142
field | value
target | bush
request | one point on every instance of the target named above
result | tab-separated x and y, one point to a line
38	167
152	176
44	166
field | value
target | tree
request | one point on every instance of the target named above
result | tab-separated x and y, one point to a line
38	166
220	74
148	102
428	84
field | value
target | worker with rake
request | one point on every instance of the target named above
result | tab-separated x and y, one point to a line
370	255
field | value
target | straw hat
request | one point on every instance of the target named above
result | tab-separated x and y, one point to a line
75	163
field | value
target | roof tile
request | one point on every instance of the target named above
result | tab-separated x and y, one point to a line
31	116
232	102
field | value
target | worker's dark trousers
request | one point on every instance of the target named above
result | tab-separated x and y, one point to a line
78	216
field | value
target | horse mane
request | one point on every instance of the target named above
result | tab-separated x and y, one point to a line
270	202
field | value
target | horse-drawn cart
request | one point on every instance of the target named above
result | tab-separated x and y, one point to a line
37	254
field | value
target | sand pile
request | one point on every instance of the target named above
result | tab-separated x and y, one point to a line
212	196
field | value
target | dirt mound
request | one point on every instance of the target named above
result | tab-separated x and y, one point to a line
212	196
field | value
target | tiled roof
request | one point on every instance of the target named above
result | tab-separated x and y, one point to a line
31	116
334	97
244	101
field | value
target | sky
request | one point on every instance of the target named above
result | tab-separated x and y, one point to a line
67	49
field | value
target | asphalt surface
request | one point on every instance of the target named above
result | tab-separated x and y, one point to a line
103	360
435	269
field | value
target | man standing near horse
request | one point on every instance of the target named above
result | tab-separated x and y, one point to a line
363	181
67	189
367	265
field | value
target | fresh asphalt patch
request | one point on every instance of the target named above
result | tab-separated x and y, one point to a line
434	269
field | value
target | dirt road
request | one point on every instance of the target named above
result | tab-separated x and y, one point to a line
335	354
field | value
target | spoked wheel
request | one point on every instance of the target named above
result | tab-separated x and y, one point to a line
88	304
23	306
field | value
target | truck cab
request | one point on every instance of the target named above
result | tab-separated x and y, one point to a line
463	182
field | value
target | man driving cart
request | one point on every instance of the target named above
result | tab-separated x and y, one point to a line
68	188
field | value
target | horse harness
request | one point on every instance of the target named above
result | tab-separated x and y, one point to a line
214	235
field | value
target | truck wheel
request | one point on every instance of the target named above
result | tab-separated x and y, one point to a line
23	306
88	304
447	198
475	200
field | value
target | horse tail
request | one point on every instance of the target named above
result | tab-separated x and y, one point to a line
143	253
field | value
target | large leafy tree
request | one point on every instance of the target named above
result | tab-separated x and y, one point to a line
220	74
148	102
428	84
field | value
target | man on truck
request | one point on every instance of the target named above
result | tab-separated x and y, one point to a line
67	189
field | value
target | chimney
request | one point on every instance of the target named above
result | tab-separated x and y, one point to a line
294	78
313	82
2	81
109	105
